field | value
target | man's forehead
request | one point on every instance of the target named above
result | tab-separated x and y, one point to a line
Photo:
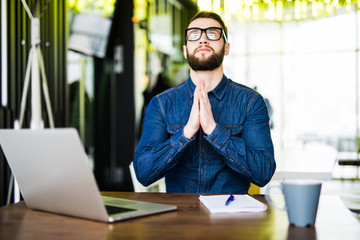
204	23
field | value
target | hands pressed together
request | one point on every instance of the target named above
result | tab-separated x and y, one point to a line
201	114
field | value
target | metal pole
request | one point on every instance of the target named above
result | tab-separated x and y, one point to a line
36	120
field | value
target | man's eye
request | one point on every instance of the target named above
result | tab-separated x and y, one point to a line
194	35
211	35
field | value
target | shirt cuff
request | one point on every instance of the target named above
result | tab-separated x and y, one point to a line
218	136
179	141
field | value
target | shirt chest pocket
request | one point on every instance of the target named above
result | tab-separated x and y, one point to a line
235	130
171	130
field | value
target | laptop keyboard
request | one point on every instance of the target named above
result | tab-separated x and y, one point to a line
116	210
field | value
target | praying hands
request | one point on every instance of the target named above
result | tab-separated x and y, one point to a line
201	114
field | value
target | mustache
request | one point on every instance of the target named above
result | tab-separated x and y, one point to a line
196	49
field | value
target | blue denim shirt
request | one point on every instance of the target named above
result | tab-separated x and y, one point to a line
237	152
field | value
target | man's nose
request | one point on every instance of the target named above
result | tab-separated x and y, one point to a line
203	38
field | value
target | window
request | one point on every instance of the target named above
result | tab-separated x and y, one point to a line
309	72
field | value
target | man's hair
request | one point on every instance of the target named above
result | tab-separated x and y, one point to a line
212	15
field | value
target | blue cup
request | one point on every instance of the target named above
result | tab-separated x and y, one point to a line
301	200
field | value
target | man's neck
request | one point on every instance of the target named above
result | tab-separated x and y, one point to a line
211	78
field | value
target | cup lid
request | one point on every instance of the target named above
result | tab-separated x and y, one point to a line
301	181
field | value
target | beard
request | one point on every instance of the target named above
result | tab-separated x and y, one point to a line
209	64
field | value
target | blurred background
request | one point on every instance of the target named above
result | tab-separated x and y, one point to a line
105	59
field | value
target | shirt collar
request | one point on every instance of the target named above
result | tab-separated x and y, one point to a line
191	87
218	91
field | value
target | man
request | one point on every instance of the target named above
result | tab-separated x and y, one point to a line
208	134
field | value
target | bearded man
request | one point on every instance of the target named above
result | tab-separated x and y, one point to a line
208	134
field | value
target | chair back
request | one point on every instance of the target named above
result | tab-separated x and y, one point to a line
158	186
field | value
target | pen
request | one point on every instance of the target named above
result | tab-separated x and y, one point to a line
229	200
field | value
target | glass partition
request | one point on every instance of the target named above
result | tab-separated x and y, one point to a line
309	72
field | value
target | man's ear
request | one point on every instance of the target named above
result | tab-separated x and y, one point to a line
227	48
184	51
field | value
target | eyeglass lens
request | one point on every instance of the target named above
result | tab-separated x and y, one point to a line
213	34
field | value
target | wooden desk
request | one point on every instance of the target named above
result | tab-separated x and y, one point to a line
190	221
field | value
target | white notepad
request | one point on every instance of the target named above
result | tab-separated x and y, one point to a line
241	203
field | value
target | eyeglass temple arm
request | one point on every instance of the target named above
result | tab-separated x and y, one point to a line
225	37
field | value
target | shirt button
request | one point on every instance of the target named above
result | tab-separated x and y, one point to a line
169	160
181	144
229	130
214	141
231	159
202	171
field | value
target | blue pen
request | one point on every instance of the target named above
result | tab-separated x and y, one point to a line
229	200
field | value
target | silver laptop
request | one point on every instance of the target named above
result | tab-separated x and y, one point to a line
54	175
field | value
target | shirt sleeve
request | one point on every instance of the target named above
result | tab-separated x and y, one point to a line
159	148
249	152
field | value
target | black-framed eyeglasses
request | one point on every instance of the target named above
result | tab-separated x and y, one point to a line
212	33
